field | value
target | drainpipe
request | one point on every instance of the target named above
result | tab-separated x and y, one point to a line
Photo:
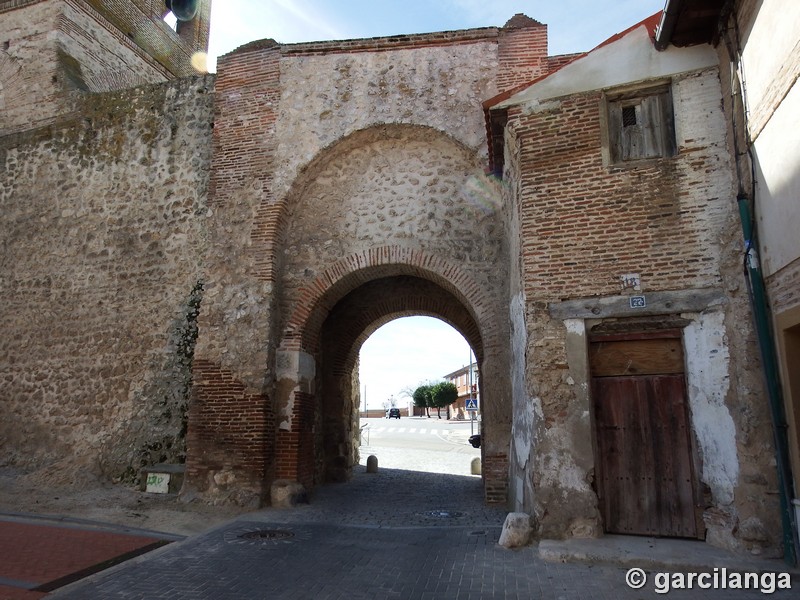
766	344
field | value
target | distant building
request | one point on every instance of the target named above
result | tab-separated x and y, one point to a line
466	380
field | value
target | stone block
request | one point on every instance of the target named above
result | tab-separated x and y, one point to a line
517	530
162	479
475	466
285	493
372	464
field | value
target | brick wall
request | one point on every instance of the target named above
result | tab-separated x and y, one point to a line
523	54
584	225
230	437
494	470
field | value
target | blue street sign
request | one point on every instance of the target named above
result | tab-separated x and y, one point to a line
472	404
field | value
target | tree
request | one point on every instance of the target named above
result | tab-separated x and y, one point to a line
443	395
422	398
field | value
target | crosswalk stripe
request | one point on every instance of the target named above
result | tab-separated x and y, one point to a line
419	431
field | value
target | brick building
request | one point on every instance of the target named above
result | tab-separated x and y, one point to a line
191	264
466	381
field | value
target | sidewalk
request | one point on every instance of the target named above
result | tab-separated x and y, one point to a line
392	535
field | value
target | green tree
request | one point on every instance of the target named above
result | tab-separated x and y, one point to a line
443	395
422	398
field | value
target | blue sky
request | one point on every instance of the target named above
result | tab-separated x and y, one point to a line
573	25
407	351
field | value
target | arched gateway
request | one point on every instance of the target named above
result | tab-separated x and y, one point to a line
389	221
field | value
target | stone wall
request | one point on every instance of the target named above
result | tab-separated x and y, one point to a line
101	279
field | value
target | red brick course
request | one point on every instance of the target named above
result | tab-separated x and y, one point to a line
228	429
584	223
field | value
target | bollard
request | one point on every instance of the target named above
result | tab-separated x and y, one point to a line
372	464
475	466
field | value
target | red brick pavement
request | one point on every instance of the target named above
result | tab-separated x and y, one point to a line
45	554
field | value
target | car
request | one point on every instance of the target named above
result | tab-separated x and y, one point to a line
394	413
475	440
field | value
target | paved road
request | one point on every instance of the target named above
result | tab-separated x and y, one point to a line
420	433
397	534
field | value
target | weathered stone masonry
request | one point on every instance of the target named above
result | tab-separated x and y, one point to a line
72	46
325	185
101	269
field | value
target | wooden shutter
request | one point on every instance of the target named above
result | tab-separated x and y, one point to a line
652	135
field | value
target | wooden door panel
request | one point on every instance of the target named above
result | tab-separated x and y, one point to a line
673	459
636	357
645	481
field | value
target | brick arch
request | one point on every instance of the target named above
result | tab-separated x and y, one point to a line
346	326
341	308
318	298
370	306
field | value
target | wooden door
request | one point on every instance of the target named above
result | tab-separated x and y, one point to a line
645	474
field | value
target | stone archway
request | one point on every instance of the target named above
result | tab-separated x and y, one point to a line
315	397
393	207
392	220
348	324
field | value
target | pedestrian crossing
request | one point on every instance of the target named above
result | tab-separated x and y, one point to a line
422	431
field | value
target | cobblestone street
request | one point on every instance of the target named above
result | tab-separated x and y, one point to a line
397	534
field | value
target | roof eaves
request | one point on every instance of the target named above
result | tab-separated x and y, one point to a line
503	96
650	23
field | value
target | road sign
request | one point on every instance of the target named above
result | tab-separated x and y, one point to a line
472	404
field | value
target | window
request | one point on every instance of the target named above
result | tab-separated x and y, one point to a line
640	125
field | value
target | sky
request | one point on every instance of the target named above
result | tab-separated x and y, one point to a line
406	352
573	25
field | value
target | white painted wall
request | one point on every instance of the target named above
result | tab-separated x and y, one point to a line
628	60
771	54
770	67
777	157
707	382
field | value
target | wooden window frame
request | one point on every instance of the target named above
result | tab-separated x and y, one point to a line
652	137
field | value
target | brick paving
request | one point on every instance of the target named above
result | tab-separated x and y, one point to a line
37	556
392	535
